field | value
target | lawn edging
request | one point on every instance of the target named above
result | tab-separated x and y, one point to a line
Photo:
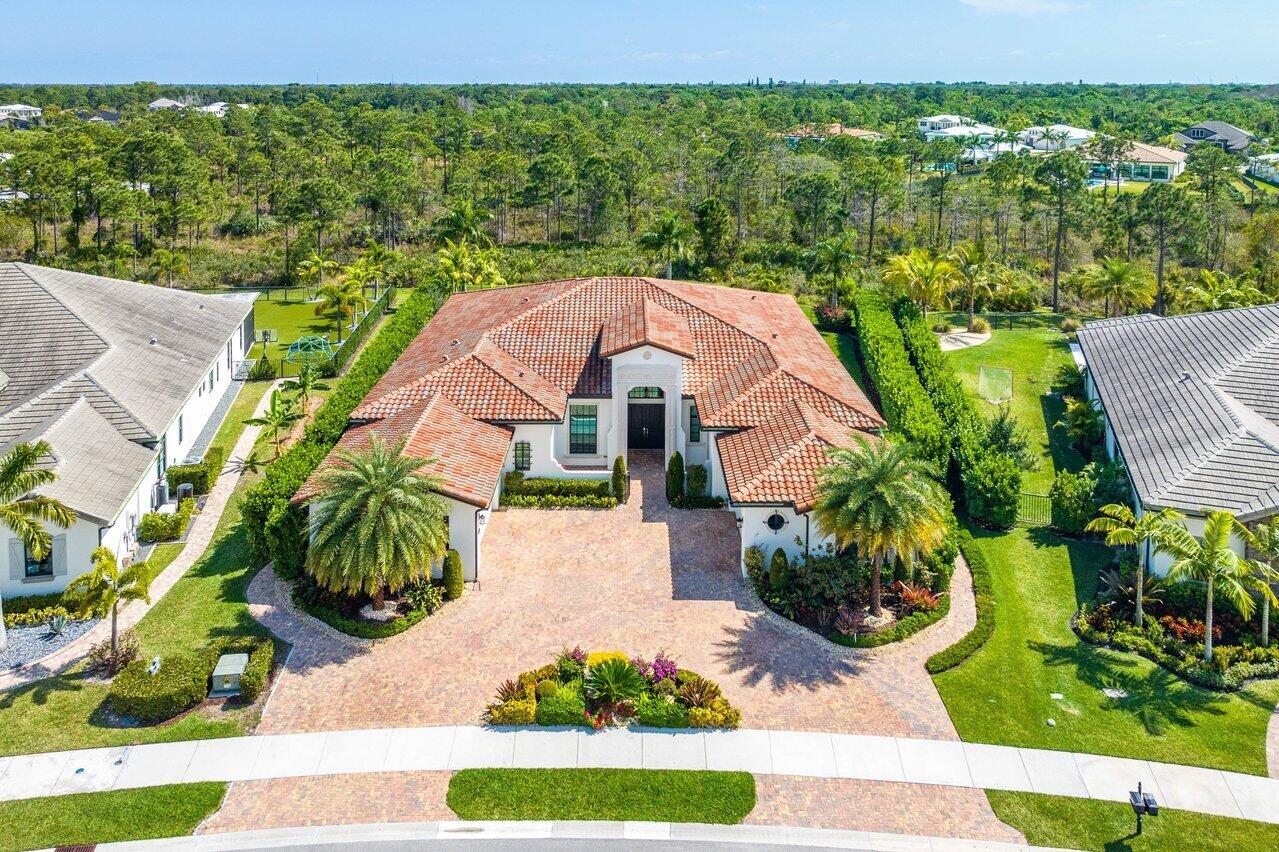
983	598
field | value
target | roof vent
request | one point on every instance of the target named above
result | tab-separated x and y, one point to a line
456	342
201	307
1185	375
152	342
774	335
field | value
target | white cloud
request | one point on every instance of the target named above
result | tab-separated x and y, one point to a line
1024	8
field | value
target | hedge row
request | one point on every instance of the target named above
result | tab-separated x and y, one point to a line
558	501
166	526
989	478
984	592
361	331
277	530
536	486
202	475
906	405
904	629
183	680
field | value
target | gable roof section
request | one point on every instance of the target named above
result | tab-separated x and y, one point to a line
1192	402
646	323
1157	154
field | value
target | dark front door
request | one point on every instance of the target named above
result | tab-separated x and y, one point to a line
645	427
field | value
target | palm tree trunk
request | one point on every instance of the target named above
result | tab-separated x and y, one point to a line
876	595
1208	626
379	597
1265	624
670	268
4	636
1141	584
115	636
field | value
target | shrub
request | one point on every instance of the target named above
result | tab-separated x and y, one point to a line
101	658
548	487
992	488
979	325
180	684
698	691
832	318
596	657
613	681
777	570
916	598
1070	325
454	585
1070	381
258	671
202	475
424	597
549	501
520	711
720	714
546	688
660	712
696	476
619	486
984	592
157	526
1072	501
563	707
675	477
33	617
570	665
941	328
262	370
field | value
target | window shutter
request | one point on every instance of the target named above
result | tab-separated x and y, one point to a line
59	555
17	559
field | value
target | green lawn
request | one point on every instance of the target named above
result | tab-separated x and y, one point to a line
845	348
88	818
1093	825
289	319
602	794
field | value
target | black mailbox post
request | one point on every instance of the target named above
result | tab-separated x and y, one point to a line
1143	804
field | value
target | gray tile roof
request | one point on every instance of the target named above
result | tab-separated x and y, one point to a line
1194	405
114	359
1234	138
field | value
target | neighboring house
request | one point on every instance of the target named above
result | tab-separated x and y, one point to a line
1055	137
981	133
1265	167
100	115
1224	136
983	153
820	133
558	379
1146	163
23	111
165	103
933	123
1192	409
122	380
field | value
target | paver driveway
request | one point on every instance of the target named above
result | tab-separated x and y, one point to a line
640	578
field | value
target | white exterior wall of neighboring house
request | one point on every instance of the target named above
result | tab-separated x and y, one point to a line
25	111
1064	136
75	545
1265	167
932	123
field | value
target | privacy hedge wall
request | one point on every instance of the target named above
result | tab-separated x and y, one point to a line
276	530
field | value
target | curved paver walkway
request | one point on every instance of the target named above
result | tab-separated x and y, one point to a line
198	539
1272	743
639	578
805	754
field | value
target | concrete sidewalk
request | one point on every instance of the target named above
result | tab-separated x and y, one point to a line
809	754
557	835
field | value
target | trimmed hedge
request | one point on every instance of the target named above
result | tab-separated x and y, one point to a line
276	530
170	526
516	483
202	475
183	680
661	713
984	593
991	479
906	405
359	628
454	581
904	629
565	707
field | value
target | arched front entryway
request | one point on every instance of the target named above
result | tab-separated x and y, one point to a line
646	418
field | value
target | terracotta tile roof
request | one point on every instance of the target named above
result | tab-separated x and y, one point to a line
777	462
646	323
515	354
468	454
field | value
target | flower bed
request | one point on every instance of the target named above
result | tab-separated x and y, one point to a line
605	688
342	613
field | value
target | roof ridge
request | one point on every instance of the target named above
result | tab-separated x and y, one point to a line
133	417
23	268
577	283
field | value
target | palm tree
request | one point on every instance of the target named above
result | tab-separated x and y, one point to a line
169	263
972	269
377	524
833	257
305	385
1125	529
1083	422
923	276
1210	559
279	417
342	298
1121	283
1265	541
882	499
104	588
311	271
24	512
1217	291
466	221
465	267
670	239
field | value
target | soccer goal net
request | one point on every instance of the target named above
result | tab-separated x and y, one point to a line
995	384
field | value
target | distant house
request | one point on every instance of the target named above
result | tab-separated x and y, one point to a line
1055	137
820	133
12	122
24	111
123	380
1146	163
105	116
1224	136
983	153
933	123
165	103
1191	407
1265	167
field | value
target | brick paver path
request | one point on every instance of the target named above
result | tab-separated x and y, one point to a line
638	579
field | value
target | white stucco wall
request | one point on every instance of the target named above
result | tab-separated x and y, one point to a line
648	366
756	532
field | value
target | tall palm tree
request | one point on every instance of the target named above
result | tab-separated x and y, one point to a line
881	498
342	298
466	221
923	276
280	415
311	271
1124	529
106	586
305	385
377	523
834	257
25	512
971	261
465	267
169	263
1210	560
1217	291
1123	284
670	239
1265	540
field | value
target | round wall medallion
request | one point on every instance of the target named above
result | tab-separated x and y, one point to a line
776	522
648	356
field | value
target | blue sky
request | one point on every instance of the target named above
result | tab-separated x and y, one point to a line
278	41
